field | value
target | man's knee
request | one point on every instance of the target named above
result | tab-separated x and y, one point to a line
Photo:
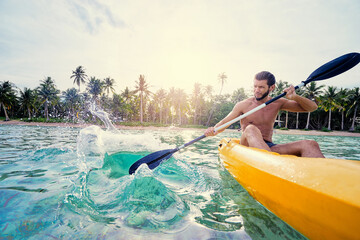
314	144
251	130
310	144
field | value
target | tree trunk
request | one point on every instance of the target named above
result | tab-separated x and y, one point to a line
286	121
329	123
342	120
195	114
308	121
160	117
297	120
210	116
172	119
6	115
46	111
73	114
279	123
29	113
141	108
352	128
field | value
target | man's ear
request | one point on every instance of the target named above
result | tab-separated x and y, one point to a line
272	87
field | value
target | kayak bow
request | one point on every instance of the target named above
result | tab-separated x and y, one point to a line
318	197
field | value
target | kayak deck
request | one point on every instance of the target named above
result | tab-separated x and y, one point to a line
318	197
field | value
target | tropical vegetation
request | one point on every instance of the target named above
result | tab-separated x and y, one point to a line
142	105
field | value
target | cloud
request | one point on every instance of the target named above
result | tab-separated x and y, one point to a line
173	43
94	15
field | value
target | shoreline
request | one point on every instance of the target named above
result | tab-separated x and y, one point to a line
80	125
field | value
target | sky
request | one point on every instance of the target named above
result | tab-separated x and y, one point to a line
176	43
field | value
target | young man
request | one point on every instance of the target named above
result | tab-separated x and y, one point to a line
257	128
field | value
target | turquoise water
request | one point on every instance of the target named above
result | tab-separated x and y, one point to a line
69	183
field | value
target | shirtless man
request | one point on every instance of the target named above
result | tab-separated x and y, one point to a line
257	128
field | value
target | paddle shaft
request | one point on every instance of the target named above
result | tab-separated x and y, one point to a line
225	125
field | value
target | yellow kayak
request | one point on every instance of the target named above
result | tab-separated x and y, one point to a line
318	197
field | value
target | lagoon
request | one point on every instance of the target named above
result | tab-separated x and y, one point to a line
71	183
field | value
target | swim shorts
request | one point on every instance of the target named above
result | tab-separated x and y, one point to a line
270	144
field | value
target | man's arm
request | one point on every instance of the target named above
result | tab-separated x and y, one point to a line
297	103
237	110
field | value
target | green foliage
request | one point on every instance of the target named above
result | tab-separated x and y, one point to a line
324	129
357	129
163	108
43	120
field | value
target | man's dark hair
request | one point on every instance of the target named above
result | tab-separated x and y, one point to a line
265	75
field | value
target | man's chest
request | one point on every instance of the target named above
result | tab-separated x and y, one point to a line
264	115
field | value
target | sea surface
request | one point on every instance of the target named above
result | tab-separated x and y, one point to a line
72	183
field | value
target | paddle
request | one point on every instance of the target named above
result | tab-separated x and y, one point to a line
326	71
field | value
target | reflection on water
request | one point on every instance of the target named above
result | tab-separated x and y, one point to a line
66	183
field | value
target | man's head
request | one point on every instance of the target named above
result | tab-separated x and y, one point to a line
264	83
265	75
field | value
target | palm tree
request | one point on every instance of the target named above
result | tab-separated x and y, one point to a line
79	76
95	88
109	85
181	103
354	97
143	89
118	105
196	97
172	100
7	97
27	100
209	91
342	100
126	94
238	95
47	93
151	109
222	79
167	106
312	92
56	105
159	98
328	102
71	100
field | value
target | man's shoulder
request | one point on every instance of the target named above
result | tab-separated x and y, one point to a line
247	100
244	102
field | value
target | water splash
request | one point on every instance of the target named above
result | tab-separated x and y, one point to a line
105	191
102	115
108	194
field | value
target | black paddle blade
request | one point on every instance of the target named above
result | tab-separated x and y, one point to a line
334	67
152	160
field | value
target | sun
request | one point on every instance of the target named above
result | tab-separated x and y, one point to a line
183	68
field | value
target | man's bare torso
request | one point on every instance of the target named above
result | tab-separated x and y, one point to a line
264	119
